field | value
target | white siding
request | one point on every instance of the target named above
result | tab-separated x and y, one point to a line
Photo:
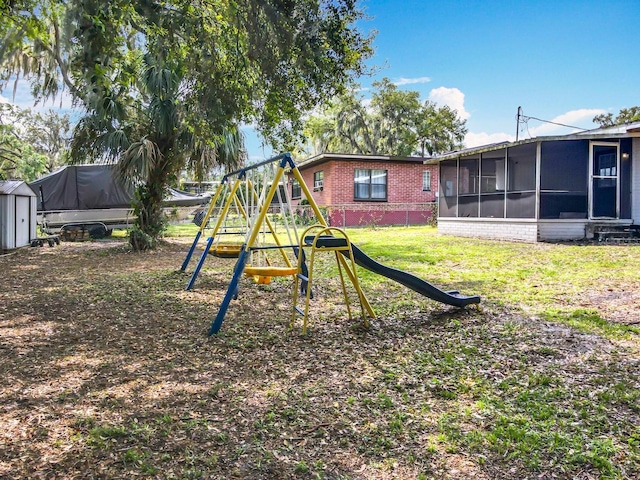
17	217
561	230
635	181
514	230
8	214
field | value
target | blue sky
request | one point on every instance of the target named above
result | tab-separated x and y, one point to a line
563	61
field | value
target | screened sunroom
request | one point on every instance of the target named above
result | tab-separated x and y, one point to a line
549	188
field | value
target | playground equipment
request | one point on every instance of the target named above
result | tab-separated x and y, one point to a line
251	197
244	212
328	239
240	204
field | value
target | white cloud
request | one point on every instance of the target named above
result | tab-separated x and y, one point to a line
411	81
582	118
451	97
478	139
3	99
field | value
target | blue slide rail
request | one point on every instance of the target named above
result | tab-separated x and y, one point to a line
416	284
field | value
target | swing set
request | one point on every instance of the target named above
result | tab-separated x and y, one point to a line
259	191
241	202
242	206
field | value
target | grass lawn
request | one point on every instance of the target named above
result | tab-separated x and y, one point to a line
107	371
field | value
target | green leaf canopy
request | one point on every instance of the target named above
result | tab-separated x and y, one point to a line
164	85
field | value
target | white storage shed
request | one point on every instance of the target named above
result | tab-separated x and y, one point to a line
18	209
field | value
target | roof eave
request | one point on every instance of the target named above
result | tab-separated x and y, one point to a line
325	157
631	133
15	187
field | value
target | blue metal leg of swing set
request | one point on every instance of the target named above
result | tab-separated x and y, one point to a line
185	264
232	292
200	263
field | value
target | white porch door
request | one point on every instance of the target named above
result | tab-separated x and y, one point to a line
604	183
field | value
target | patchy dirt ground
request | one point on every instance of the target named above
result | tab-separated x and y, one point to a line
620	306
107	372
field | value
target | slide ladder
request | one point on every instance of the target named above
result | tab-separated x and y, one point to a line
342	249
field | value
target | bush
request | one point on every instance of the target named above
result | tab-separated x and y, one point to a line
141	241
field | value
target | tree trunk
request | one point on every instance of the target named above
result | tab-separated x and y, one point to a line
150	221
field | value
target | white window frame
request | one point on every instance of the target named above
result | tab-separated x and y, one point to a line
370	184
296	189
426	181
318	180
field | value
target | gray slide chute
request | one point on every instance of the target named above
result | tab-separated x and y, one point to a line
408	280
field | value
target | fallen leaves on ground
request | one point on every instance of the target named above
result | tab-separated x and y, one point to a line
107	372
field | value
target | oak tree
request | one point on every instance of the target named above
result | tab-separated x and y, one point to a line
626	115
394	122
164	85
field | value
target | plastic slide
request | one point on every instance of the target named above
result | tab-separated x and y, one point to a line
408	280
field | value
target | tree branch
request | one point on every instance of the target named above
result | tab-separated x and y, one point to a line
63	68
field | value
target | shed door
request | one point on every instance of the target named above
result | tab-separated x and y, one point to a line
605	186
22	221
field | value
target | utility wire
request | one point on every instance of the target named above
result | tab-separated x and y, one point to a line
522	119
526	118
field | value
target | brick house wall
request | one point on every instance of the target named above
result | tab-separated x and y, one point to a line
404	186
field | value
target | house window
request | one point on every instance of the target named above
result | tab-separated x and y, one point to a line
492	184
318	180
426	181
448	203
564	179
468	186
492	172
370	184
296	190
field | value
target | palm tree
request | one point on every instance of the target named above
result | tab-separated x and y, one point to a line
165	84
152	142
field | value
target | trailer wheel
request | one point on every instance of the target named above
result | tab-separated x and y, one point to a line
97	231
